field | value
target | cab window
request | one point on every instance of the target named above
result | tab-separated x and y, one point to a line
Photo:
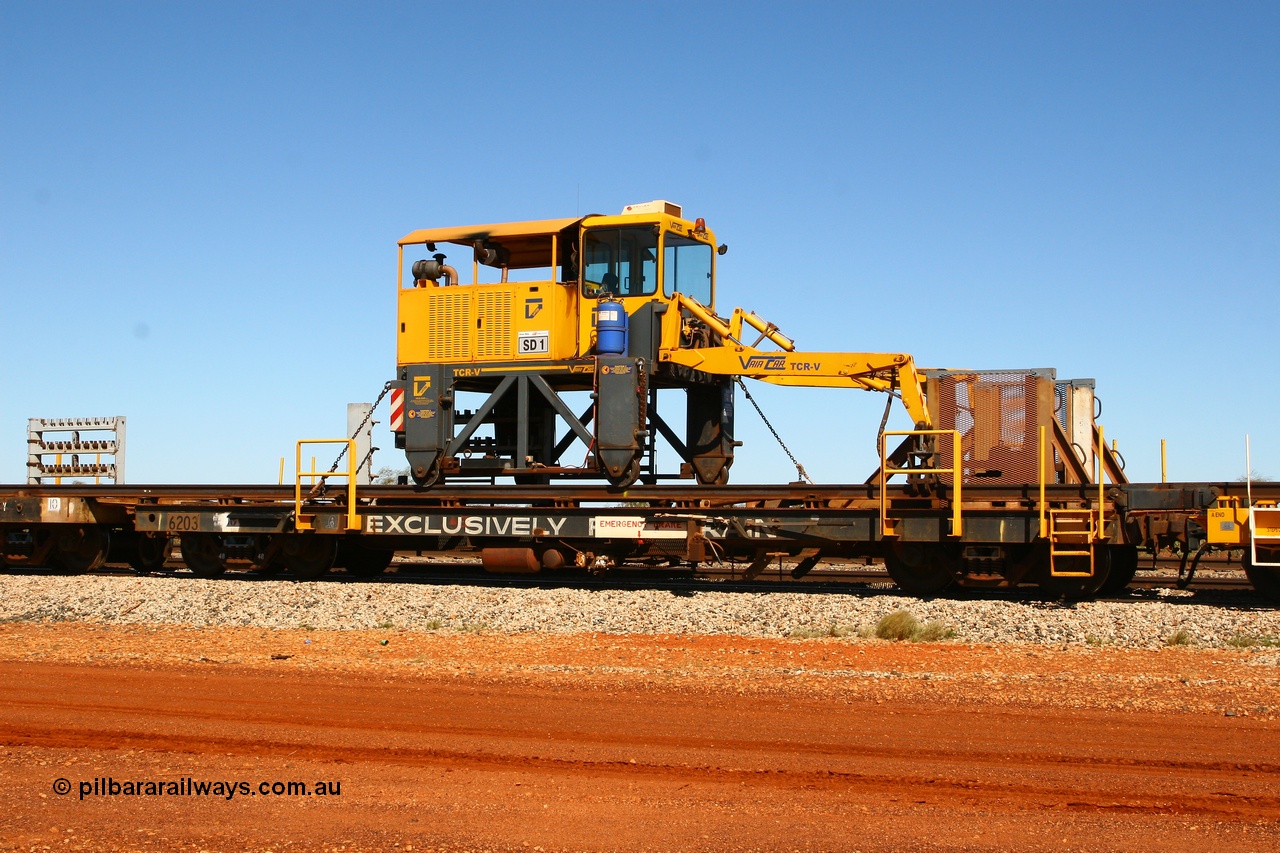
623	261
686	268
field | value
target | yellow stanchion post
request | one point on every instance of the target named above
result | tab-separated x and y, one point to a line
1102	448
1044	533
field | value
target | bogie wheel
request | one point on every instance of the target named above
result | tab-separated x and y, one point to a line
28	548
267	566
147	554
363	561
1124	565
202	552
265	560
921	568
82	549
1265	579
308	556
1057	587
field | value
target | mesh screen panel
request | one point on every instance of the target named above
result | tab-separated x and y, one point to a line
998	416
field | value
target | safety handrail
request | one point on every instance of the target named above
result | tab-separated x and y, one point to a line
1102	521
1100	530
302	522
1044	529
956	471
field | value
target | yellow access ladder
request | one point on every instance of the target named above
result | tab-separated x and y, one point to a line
1072	533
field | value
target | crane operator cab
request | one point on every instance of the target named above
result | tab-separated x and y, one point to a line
491	360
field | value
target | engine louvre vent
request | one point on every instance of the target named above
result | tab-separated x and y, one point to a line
449	325
493	337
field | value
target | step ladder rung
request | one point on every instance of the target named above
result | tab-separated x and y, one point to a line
1071	534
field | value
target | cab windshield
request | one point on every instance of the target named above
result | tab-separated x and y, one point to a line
686	268
622	261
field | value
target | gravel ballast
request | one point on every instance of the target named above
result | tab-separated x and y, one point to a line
1149	620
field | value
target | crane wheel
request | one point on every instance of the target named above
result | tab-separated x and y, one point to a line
721	478
429	479
628	477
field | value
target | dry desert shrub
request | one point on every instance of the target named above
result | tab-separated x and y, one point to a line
900	625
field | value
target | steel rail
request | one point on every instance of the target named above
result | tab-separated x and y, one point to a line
682	496
703	579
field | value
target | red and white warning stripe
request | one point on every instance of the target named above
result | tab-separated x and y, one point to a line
397	410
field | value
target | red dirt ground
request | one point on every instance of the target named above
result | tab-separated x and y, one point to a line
444	741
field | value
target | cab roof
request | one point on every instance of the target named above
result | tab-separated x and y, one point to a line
465	235
529	243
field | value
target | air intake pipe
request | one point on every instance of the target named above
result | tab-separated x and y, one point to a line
431	270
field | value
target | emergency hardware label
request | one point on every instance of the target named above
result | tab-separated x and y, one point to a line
636	527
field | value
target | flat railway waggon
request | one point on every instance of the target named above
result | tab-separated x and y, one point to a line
527	404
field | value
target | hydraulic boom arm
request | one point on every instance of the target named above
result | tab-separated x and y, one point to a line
869	371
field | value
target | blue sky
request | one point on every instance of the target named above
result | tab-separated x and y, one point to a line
199	203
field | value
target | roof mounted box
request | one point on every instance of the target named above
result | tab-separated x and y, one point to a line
657	206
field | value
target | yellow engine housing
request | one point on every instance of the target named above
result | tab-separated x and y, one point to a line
488	322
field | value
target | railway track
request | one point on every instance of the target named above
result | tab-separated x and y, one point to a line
465	568
766	535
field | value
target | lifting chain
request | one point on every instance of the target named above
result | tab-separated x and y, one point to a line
318	490
799	468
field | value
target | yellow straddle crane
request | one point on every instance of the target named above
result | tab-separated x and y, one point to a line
619	307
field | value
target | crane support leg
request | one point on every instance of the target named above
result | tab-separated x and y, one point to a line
622	391
428	424
709	421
